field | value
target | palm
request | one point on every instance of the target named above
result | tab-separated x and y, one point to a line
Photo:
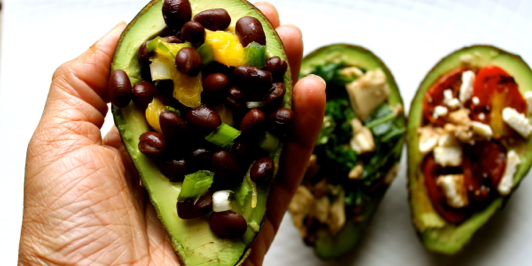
83	203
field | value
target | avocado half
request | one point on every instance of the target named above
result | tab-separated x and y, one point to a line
192	240
327	246
436	234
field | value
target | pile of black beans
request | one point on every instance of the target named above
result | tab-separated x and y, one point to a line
181	149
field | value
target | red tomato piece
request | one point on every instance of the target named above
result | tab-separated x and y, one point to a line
434	95
432	171
495	90
483	166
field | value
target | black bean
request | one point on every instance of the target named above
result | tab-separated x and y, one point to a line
203	119
164	91
173	39
249	29
188	210
193	32
262	169
199	159
277	67
143	94
119	88
176	13
188	61
215	67
280	120
152	144
228	224
275	95
143	55
174	169
235	97
252	122
226	168
213	19
254	81
172	126
215	85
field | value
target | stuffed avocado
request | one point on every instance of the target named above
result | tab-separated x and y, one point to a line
357	153
201	94
468	143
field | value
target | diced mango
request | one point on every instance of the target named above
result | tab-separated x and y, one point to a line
226	47
154	110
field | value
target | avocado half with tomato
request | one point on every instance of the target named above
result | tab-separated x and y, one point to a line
201	94
468	143
357	153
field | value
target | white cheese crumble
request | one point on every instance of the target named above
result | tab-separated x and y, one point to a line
466	89
367	92
362	140
517	121
449	100
439	111
428	139
481	129
507	180
528	98
448	156
454	190
475	100
481	116
427	146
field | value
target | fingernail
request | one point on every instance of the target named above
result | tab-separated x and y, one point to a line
320	78
294	26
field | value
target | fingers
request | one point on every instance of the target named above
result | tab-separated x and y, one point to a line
309	107
270	12
293	44
79	88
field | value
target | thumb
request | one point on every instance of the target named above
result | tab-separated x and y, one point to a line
77	101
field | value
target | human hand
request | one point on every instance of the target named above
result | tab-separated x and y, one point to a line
82	200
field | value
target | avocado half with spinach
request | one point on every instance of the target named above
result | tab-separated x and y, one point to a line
192	239
445	229
357	153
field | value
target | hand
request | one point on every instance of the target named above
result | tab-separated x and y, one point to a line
82	199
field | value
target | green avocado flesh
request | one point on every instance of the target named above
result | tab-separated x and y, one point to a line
437	234
328	246
192	240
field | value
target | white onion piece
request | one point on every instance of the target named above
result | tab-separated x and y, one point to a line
160	71
221	200
252	105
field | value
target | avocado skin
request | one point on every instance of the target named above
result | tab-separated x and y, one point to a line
131	123
330	247
436	234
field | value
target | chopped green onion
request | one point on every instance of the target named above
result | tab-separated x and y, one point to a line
195	185
153	43
172	109
245	188
269	142
206	52
255	55
160	70
223	136
165	50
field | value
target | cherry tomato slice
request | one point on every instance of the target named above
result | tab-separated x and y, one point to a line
483	167
432	171
434	95
495	90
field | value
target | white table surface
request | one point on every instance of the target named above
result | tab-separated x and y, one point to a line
410	36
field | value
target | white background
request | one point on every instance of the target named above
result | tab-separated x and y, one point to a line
410	36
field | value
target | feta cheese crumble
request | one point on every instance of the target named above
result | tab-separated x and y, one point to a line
517	121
